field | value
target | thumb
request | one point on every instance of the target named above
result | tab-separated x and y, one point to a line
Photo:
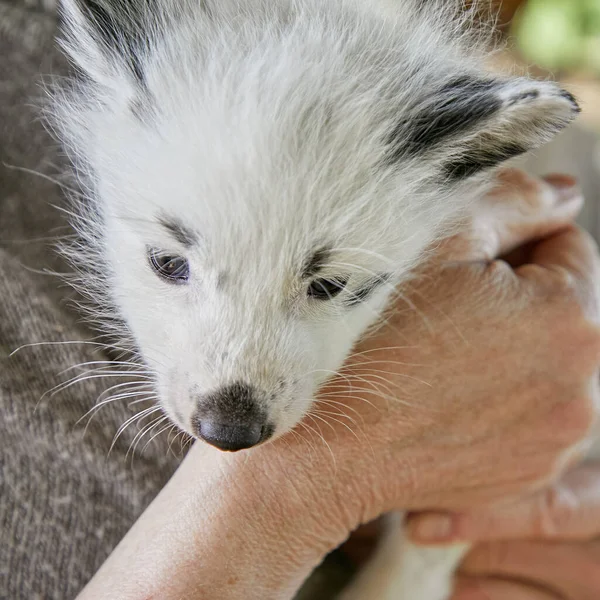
519	210
570	509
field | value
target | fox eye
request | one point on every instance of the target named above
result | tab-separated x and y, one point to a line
171	267
326	289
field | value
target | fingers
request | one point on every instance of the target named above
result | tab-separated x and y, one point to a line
572	251
572	569
497	589
567	265
570	509
520	209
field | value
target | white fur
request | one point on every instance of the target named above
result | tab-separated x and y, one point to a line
260	124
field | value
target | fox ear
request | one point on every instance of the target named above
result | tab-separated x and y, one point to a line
471	123
107	39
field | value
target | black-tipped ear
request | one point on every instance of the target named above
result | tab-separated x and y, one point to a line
471	124
106	38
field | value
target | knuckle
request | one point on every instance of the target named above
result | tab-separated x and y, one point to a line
564	285
554	511
582	417
586	419
572	420
575	297
501	275
571	323
550	285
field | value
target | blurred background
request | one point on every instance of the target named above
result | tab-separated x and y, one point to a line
560	39
560	36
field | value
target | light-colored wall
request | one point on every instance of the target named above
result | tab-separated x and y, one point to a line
576	152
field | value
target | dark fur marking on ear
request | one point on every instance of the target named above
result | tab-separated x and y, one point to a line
455	109
366	290
316	262
184	235
528	95
568	96
474	162
122	29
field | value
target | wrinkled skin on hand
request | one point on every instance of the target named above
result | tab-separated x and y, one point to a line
545	546
483	383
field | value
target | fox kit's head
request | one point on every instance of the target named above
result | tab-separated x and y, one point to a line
262	173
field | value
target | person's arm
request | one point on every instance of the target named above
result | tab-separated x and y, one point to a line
479	405
226	526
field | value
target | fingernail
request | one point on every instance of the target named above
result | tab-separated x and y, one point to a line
566	186
432	528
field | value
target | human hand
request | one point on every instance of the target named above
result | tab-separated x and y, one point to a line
489	379
557	552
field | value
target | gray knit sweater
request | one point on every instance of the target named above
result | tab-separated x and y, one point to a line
64	505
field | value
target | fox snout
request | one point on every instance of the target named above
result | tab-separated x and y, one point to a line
232	418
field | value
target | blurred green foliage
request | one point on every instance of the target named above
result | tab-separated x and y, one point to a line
559	35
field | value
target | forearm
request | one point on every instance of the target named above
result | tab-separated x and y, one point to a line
217	530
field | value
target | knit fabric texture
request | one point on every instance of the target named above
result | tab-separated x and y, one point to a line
64	501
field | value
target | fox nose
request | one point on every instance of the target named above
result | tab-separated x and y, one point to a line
231	418
230	437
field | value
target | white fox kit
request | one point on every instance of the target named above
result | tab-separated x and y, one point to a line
260	175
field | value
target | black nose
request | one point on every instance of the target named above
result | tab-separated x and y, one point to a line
230	437
231	418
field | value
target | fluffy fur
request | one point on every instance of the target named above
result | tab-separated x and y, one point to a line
270	143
